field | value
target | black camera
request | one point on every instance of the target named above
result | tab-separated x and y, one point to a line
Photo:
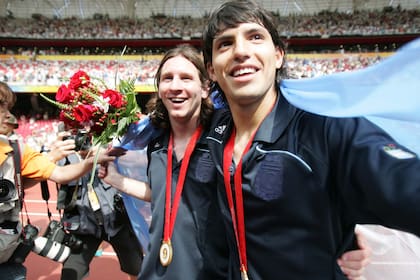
29	234
121	216
55	232
119	203
56	244
7	190
82	140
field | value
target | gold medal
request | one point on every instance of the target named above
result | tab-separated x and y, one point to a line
244	275
165	253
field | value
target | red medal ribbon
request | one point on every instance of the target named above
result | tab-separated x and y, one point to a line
237	212
170	212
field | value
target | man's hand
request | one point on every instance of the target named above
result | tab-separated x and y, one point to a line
353	263
60	148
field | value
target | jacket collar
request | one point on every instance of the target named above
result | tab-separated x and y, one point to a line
279	119
276	122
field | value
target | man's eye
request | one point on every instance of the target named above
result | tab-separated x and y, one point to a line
223	44
166	79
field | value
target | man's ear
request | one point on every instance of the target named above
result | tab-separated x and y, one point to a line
279	57
210	71
205	90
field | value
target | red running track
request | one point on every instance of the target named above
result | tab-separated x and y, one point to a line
41	268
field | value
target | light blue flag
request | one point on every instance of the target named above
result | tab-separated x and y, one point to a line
138	135
134	165
387	93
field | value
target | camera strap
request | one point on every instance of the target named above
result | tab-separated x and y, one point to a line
17	164
18	174
46	196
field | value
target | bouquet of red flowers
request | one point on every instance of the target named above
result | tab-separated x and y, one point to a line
87	103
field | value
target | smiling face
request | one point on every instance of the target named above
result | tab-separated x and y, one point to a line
244	63
181	89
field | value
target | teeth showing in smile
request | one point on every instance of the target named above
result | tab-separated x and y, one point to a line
244	71
177	100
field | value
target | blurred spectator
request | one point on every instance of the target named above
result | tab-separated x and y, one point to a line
9	125
323	24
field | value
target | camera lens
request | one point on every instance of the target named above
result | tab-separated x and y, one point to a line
7	190
51	249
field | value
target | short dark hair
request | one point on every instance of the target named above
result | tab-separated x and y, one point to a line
233	13
158	112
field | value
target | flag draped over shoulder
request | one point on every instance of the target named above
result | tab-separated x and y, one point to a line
387	93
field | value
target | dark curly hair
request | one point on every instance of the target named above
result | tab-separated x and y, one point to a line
158	112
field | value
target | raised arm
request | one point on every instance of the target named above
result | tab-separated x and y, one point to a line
133	187
67	173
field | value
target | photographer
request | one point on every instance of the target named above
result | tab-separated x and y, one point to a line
18	162
9	125
87	227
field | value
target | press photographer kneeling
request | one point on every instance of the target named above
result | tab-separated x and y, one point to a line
92	214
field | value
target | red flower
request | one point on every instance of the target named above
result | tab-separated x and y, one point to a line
64	116
83	103
83	113
115	98
64	94
79	79
98	128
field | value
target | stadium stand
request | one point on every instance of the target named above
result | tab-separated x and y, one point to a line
42	46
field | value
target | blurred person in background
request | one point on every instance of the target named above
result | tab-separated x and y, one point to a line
9	125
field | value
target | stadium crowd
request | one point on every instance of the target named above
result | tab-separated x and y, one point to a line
325	24
36	72
36	130
51	72
33	67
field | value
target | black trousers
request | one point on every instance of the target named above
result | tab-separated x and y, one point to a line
125	244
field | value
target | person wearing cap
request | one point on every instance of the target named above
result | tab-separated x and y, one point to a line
9	125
